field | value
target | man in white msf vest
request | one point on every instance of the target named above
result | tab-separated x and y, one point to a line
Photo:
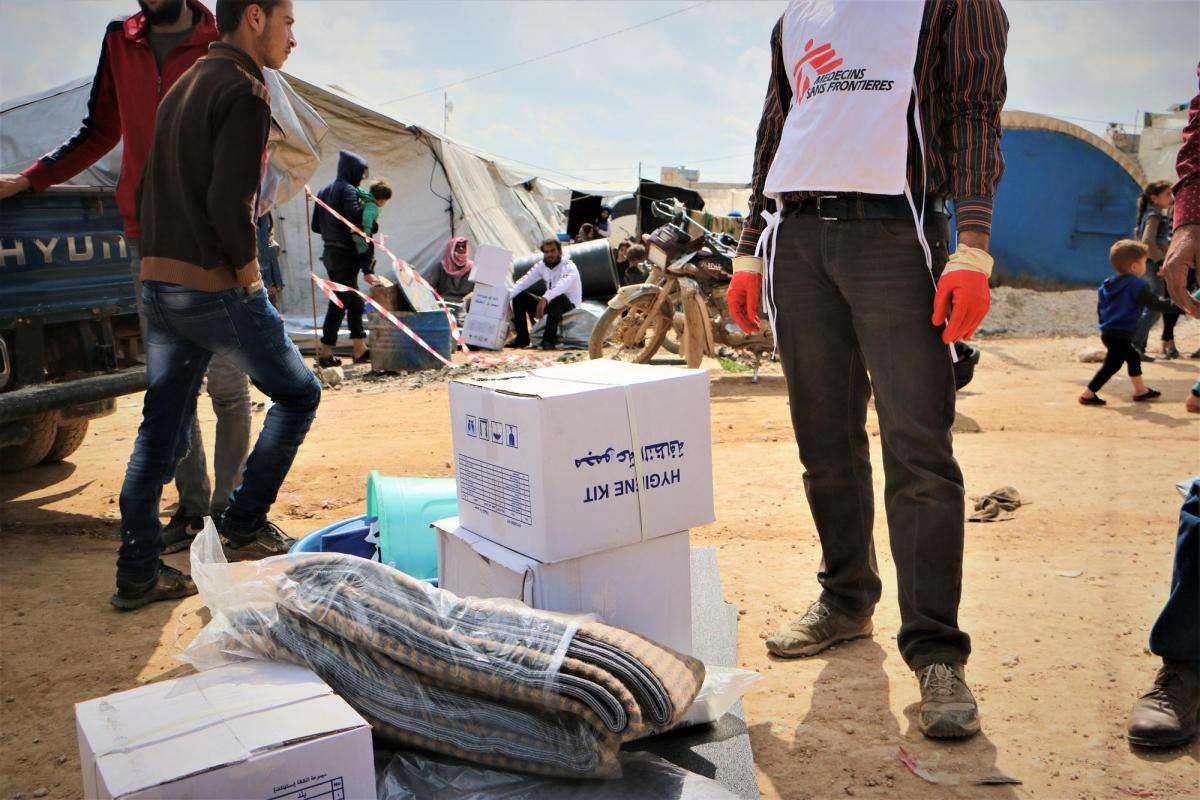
878	113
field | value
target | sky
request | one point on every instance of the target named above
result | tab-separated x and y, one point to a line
667	82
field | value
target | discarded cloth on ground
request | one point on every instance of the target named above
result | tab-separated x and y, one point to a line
996	506
487	681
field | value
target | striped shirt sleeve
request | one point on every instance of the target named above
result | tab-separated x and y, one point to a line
975	85
770	129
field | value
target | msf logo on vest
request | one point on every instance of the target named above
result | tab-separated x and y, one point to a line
815	62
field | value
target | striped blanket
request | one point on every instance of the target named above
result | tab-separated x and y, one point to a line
476	679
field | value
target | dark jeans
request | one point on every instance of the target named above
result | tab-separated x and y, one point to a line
342	266
1120	352
1141	335
524	307
854	300
1169	320
1176	634
186	327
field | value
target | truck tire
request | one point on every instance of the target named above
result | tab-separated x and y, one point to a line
43	429
70	435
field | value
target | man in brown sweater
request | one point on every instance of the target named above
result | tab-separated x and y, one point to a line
202	295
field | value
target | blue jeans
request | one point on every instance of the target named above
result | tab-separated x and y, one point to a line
1176	634
1141	336
185	328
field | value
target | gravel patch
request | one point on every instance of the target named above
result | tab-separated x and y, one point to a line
1032	314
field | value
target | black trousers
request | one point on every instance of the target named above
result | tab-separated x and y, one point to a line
1176	634
342	265
1120	352
854	300
524	308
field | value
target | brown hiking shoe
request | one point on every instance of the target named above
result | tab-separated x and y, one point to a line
1166	715
168	584
818	629
948	709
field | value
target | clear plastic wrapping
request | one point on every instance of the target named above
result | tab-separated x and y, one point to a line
723	687
483	680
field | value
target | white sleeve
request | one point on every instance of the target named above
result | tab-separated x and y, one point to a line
527	280
569	279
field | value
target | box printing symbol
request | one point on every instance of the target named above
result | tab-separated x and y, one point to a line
471	426
512	435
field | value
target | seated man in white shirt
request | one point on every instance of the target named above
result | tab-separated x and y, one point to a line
564	291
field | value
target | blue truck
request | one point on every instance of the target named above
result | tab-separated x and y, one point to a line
70	342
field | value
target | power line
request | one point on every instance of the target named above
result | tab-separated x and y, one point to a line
684	161
547	55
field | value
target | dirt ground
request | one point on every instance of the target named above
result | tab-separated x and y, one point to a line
1058	600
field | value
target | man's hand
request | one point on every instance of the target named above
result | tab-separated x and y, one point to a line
371	279
12	184
963	297
1182	255
961	303
742	298
541	309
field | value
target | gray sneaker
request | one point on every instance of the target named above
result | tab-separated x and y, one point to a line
818	629
948	709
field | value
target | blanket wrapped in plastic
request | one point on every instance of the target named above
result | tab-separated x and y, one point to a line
481	680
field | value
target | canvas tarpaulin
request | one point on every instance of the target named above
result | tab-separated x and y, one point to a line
441	188
34	125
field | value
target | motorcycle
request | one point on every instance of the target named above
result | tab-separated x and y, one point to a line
683	296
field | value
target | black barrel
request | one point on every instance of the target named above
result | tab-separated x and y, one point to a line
596	269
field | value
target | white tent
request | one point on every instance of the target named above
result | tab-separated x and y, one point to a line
441	187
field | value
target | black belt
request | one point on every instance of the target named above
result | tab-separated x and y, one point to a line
832	207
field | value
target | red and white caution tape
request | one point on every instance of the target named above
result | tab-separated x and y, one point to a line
403	267
330	288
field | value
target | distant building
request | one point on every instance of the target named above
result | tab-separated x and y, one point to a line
1122	139
719	198
679	176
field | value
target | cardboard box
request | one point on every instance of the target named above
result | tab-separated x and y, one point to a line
546	464
251	731
493	266
489	301
644	587
485	332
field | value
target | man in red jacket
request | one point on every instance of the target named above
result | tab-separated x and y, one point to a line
141	57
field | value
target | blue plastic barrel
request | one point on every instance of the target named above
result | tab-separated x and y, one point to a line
392	350
405	508
312	542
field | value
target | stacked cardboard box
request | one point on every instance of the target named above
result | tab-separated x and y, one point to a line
577	486
487	316
248	731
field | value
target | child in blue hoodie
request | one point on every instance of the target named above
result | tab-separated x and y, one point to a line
1122	298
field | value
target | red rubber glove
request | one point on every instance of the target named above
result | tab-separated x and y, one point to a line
743	296
961	303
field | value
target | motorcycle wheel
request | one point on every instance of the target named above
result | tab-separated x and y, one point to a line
612	334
